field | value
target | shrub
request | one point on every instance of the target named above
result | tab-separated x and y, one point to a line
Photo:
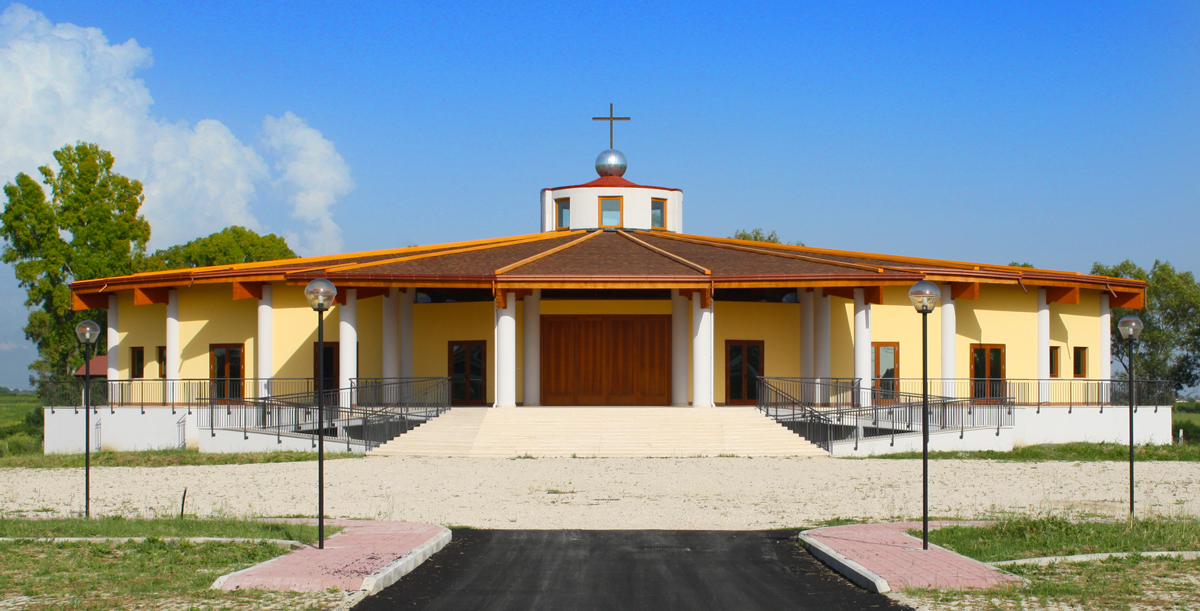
1191	431
20	443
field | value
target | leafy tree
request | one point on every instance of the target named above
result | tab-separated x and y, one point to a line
230	245
1025	264
89	228
1169	347
758	235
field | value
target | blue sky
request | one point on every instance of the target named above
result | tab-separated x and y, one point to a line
1055	133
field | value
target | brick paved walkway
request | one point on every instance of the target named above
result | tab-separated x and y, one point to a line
887	551
362	548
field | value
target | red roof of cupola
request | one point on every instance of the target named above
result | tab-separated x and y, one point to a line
612	182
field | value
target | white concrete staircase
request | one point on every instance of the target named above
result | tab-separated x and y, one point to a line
600	431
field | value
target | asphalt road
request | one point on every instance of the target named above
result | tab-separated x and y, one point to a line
652	570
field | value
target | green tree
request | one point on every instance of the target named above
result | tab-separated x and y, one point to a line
1169	348
230	245
759	235
88	228
1025	264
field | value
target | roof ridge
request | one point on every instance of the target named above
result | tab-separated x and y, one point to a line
862	266
536	238
540	255
667	254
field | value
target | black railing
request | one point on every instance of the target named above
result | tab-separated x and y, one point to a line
824	412
1054	391
368	414
154	392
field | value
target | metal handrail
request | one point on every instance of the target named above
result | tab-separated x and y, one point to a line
1052	391
824	413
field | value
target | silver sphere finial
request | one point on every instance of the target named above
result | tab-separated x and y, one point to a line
611	163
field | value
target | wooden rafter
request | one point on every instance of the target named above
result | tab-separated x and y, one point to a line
871	294
89	301
546	253
672	256
1062	294
247	290
151	296
964	290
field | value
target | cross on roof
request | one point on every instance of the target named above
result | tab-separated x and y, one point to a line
610	118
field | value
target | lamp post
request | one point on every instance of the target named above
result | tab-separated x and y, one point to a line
87	332
1131	328
925	296
320	294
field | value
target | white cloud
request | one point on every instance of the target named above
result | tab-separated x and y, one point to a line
5	346
63	83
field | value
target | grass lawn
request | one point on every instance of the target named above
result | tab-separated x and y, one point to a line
1158	583
14	407
121	527
160	458
1193	418
1070	452
154	573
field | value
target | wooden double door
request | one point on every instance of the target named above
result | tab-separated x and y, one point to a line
606	360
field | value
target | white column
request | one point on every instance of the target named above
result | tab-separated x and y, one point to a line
680	339
172	344
949	342
347	344
862	345
265	342
114	341
506	353
1043	346
821	363
805	297
391	334
702	353
407	299
533	348
1105	346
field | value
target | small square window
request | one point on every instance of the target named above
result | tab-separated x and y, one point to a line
137	363
562	209
610	212
1080	362
1054	361
658	214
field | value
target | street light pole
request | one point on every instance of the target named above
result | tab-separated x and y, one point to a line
87	332
925	296
925	430
320	294
1131	328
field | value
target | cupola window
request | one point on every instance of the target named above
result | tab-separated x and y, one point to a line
610	212
562	209
658	214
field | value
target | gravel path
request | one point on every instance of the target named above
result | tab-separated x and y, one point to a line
611	493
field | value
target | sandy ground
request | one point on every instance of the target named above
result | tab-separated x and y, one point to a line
611	493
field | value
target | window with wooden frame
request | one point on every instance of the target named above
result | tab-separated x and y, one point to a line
1080	362
987	371
1054	361
562	213
137	363
161	355
658	213
226	370
885	365
612	211
743	366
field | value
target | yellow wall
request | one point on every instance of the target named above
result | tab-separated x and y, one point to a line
208	314
1003	314
777	325
896	321
1077	325
436	324
294	331
144	326
370	337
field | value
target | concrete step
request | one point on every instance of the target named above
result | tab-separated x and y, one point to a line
601	432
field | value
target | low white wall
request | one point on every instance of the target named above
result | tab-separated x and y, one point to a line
225	441
1061	424
120	429
1031	426
941	441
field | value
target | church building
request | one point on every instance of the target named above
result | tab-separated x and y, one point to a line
610	303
